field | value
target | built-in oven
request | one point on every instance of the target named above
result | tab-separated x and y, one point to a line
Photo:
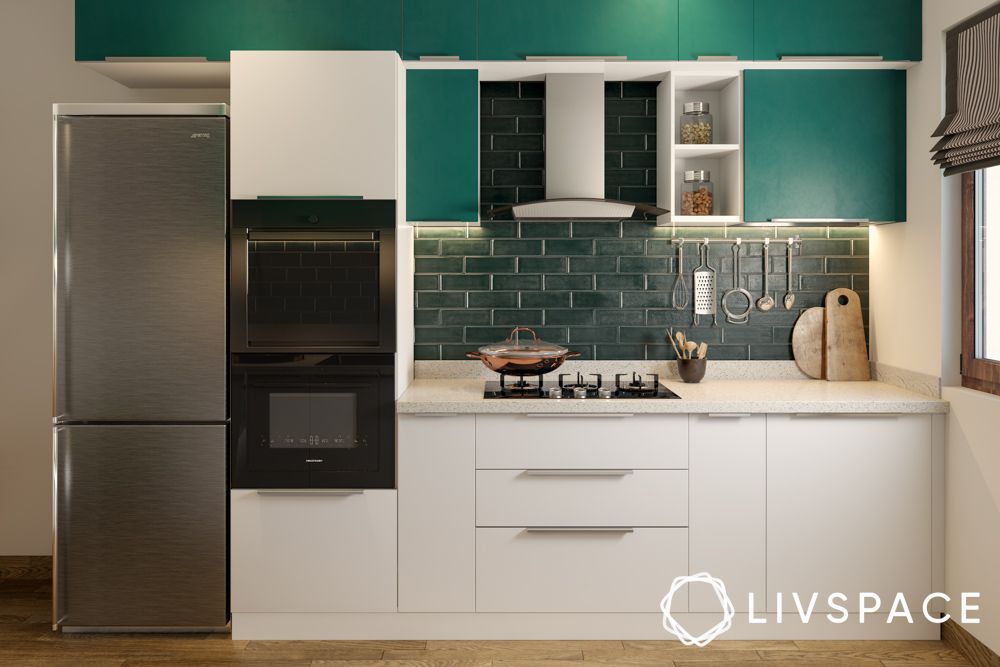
312	275
312	421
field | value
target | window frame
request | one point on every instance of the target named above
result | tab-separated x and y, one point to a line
977	373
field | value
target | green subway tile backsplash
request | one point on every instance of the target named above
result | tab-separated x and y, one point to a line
602	287
610	306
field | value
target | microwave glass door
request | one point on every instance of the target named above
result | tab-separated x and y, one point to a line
306	293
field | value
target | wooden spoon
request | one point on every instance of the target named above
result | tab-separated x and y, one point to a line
703	350
690	347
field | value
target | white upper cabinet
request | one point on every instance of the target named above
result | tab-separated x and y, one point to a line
314	124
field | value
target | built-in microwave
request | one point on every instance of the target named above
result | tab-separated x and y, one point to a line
312	421
312	275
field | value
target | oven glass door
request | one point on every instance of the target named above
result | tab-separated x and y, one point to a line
312	424
306	293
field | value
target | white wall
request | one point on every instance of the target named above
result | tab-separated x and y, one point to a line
36	69
916	325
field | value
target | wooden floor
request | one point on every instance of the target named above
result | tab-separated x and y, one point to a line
26	639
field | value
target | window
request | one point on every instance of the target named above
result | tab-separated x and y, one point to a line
981	279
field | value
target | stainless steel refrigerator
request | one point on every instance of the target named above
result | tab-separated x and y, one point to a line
140	360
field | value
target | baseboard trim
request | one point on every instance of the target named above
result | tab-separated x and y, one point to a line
962	641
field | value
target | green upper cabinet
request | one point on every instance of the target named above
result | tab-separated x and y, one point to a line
439	28
442	145
825	144
213	28
716	28
887	28
638	29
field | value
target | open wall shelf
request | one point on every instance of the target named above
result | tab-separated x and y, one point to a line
723	90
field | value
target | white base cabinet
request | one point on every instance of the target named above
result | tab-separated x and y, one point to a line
596	570
313	551
849	507
727	530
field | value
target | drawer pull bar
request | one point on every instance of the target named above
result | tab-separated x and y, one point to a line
580	529
578	473
310	492
728	415
432	414
868	415
578	415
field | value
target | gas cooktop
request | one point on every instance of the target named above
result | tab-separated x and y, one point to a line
570	385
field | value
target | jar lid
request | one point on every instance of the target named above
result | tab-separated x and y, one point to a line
697	176
696	107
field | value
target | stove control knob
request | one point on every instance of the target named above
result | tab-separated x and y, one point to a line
579	392
553	392
604	392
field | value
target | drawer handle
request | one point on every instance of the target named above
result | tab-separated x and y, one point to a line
571	58
867	415
439	415
580	529
578	415
578	473
728	415
310	492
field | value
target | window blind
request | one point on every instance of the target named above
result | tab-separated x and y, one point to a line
970	130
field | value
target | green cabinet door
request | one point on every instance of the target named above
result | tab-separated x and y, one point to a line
825	144
213	28
638	29
439	28
442	145
716	28
887	28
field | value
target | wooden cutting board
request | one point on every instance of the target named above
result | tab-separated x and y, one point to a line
846	349
807	342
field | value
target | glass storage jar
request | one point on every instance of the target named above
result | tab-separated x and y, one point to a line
696	123
697	197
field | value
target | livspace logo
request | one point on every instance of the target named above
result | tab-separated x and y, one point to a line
868	604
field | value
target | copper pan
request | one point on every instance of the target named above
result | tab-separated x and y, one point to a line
512	357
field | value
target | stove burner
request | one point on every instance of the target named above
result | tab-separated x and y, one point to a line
520	386
580	383
636	385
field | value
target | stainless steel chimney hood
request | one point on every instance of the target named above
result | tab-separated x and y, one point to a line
574	156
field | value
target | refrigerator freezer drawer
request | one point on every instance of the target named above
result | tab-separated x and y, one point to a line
141	526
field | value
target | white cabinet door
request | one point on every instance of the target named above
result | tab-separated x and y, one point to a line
529	570
727	527
587	440
437	513
582	498
314	124
313	551
849	507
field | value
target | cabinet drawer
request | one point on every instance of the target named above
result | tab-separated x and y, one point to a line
520	570
313	551
581	441
581	498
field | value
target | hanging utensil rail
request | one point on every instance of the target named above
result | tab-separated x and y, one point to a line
795	241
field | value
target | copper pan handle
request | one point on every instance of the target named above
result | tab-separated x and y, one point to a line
516	330
572	355
474	355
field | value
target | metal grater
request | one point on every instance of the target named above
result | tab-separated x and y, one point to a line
704	289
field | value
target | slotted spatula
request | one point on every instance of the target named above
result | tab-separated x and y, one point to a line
704	288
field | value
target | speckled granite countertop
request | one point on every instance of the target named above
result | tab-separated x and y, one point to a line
427	395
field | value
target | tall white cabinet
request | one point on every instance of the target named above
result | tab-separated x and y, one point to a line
315	124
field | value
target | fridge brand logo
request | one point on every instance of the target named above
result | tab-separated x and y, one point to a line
201	135
671	625
314	460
